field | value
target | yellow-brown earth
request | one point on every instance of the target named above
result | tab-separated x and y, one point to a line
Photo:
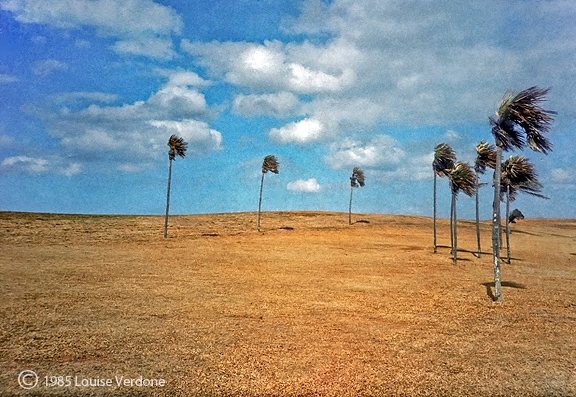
309	307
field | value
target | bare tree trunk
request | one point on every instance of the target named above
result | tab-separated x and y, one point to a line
455	245
260	200
508	221
478	215
451	223
496	226
168	200
435	246
350	207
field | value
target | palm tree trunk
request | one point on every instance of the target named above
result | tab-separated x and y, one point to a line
451	223
455	244
478	215
260	200
435	246
496	226
508	221
168	200
350	207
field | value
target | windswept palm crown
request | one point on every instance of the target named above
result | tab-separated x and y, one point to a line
462	178
357	179
270	164
444	158
177	147
522	113
486	157
519	175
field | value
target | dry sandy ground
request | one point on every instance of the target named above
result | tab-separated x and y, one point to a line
309	307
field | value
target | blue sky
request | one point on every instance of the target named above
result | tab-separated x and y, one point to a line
92	89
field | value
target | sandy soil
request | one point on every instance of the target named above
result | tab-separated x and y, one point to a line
309	307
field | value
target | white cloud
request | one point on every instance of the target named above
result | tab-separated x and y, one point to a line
200	137
301	132
39	165
305	186
279	104
268	67
139	130
380	152
5	78
48	66
28	164
143	26
561	176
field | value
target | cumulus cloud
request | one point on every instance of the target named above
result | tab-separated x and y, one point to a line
279	104
5	78
39	165
300	132
379	152
305	186
143	27
269	66
48	66
139	130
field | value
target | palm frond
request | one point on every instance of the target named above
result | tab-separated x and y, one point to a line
486	157
522	114
519	176
270	164
444	158
463	179
177	147
357	179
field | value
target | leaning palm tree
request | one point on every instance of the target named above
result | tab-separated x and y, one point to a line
356	180
521	121
462	179
486	157
518	176
444	158
177	148
270	164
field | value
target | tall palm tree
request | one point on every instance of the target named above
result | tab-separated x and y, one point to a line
444	158
486	157
356	180
518	176
177	148
521	121
270	164
462	179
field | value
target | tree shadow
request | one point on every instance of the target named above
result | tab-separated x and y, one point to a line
509	284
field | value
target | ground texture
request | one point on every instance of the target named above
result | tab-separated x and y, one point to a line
309	307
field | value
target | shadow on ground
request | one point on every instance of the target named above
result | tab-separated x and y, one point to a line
509	284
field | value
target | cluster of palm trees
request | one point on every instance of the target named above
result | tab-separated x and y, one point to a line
521	121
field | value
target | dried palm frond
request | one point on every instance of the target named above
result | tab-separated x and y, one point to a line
519	176
270	164
486	157
462	179
177	147
357	179
522	113
444	158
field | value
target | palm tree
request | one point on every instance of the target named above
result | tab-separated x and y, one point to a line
486	157
462	179
356	180
518	176
521	121
270	164
177	148
444	158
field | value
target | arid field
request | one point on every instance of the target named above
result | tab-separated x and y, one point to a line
309	307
